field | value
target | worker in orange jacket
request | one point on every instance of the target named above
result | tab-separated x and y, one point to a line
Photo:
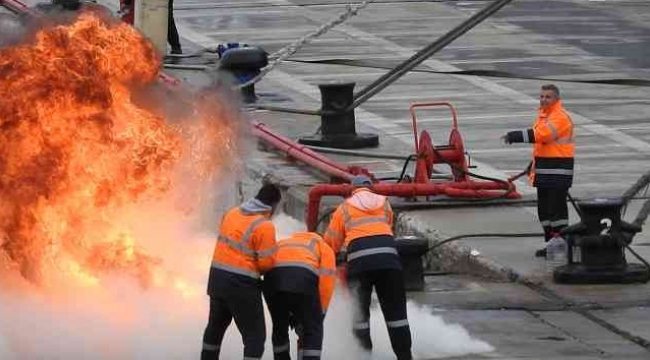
242	254
361	227
300	287
551	171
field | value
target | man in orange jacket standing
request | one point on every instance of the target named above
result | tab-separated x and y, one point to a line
243	253
300	287
361	227
552	167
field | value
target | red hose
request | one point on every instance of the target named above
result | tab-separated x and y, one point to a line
463	189
18	7
301	153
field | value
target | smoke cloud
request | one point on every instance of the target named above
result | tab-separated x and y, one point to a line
123	321
11	30
113	315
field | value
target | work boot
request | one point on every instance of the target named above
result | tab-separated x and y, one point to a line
540	253
405	356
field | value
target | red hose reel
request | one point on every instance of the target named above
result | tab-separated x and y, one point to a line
428	155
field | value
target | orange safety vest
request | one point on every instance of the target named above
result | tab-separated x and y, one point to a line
554	146
307	250
349	223
245	245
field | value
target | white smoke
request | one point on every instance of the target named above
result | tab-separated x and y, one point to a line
122	321
11	30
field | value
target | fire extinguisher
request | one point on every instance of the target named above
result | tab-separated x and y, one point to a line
127	11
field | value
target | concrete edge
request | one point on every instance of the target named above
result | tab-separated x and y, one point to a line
453	257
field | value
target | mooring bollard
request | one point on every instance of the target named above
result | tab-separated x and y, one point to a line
338	127
411	249
600	237
244	63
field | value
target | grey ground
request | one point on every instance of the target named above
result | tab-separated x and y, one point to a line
501	294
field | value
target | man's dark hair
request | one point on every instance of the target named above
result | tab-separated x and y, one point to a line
552	88
269	194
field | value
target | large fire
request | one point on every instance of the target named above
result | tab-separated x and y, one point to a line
77	150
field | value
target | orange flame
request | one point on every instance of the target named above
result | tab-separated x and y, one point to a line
76	149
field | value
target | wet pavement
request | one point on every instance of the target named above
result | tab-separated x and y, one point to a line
497	290
494	287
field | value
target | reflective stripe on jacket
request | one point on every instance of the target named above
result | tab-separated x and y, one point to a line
554	147
245	245
363	215
307	250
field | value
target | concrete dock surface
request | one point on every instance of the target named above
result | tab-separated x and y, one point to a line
494	287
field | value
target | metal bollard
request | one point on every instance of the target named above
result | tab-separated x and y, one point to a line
338	127
411	249
600	237
244	63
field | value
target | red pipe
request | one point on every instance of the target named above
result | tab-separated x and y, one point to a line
464	189
17	6
301	153
169	80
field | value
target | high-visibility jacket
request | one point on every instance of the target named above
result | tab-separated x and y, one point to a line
554	147
350	221
245	245
361	227
306	251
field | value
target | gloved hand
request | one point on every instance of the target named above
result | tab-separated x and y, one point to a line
506	139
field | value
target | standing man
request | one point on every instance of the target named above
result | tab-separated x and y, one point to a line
362	228
552	167
243	252
298	291
172	33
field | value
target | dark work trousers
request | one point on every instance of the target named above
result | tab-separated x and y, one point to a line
172	32
389	285
245	306
306	310
552	210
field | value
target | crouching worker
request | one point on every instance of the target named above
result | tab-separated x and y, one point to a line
298	290
243	252
361	227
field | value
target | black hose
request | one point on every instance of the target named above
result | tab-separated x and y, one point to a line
575	205
638	256
459	237
642	215
642	182
286	110
406	163
322	217
510	186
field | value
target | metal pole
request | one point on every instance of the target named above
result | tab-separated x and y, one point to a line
391	76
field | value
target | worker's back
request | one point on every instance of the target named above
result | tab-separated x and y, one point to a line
362	228
303	263
243	250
